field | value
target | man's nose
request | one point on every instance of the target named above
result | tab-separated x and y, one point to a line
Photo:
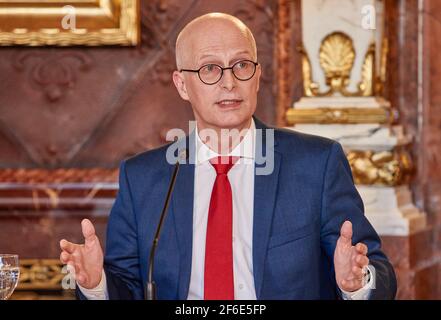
228	80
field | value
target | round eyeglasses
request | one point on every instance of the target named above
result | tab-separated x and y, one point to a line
242	70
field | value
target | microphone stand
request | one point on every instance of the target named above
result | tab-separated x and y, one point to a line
150	287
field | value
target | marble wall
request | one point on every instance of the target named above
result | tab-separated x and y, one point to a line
413	87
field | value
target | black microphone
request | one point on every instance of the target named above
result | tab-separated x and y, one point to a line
150	286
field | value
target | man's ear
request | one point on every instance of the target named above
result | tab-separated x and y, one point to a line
178	80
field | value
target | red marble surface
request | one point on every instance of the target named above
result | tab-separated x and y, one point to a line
38	236
417	258
40	207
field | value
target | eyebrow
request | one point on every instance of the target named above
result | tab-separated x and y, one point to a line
216	59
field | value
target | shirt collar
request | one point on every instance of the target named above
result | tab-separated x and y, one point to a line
245	149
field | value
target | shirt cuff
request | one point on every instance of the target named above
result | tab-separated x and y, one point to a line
97	293
364	292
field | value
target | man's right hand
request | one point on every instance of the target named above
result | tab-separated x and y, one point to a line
87	258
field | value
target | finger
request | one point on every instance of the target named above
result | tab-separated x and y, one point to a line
346	233
81	279
88	231
70	267
64	257
67	246
354	255
75	271
78	269
361	248
362	260
351	285
81	276
357	273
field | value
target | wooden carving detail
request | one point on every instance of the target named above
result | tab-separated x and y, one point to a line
53	72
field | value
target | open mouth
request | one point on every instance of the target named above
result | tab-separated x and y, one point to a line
229	103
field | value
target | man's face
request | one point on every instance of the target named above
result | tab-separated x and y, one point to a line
229	103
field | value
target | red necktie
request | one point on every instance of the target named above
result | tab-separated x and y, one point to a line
218	274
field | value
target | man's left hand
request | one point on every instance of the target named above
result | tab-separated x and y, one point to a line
350	261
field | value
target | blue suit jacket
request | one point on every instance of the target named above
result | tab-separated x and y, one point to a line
298	212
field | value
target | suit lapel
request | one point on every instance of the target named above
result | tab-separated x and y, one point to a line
265	191
183	216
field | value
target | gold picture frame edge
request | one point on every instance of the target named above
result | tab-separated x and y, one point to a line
128	33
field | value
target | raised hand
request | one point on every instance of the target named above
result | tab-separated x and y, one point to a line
349	261
87	258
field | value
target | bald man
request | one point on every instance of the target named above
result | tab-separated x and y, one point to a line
295	231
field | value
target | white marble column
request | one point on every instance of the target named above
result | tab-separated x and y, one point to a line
361	123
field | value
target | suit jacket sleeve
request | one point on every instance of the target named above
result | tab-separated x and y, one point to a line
121	261
341	202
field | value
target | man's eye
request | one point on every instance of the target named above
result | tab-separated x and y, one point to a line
209	68
242	65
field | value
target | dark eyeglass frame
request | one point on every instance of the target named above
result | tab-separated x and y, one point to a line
222	71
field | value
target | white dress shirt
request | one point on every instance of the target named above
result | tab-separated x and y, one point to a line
241	177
